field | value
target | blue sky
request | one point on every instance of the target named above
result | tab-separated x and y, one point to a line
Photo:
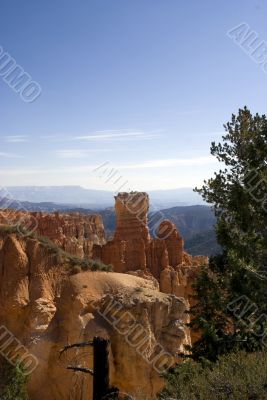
143	85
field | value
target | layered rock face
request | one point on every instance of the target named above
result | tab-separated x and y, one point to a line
46	309
75	233
133	249
150	291
131	240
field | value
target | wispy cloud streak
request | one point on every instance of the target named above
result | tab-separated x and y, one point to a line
9	155
172	162
118	135
16	138
167	163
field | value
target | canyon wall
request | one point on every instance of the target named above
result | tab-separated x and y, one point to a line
75	233
46	308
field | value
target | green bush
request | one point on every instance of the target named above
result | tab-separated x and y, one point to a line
139	289
9	229
236	376
12	382
47	243
98	265
76	269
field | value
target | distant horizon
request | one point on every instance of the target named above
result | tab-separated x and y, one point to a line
90	188
83	196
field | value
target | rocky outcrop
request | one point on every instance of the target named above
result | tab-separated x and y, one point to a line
141	307
31	280
75	233
46	308
133	248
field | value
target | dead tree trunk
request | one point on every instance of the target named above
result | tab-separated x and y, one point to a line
101	368
100	371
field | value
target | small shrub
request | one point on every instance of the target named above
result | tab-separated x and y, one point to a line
47	243
110	268
73	260
9	229
86	264
98	265
76	269
139	289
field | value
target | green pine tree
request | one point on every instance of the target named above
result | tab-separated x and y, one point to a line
232	293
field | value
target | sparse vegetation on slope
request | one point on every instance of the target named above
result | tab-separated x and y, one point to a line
9	229
78	264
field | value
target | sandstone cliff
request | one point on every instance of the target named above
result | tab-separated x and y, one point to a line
75	233
46	308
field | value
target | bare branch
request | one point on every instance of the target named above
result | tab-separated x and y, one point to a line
70	346
81	369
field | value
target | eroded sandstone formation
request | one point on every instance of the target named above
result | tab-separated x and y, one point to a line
75	233
133	248
46	308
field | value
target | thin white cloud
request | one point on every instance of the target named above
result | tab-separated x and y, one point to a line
78	153
16	138
9	155
167	163
108	135
41	171
118	135
172	162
